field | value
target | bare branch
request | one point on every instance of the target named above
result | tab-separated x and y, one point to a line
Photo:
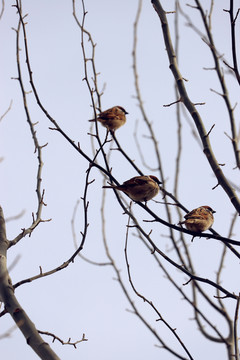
2	10
12	306
10	105
192	110
69	342
79	248
150	303
233	19
236	339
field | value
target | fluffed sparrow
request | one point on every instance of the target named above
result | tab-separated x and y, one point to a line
199	219
112	118
139	188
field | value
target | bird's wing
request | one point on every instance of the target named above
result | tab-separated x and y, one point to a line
193	215
140	180
107	114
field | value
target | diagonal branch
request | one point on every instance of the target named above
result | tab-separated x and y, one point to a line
174	332
222	180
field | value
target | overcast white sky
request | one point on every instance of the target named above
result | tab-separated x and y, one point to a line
84	298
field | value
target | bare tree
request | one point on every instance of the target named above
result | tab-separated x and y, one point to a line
148	235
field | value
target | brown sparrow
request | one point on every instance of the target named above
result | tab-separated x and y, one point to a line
199	219
112	118
139	188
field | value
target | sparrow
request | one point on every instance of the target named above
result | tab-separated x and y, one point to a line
199	219
112	118
139	188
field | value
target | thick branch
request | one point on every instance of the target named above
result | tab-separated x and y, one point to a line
13	307
192	109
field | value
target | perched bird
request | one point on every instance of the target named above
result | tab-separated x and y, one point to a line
199	219
112	118
139	188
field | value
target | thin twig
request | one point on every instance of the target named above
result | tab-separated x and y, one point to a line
236	339
69	342
149	302
9	107
79	248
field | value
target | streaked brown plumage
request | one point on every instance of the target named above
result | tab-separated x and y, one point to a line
199	219
139	188
112	118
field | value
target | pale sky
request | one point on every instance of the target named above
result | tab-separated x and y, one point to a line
85	298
